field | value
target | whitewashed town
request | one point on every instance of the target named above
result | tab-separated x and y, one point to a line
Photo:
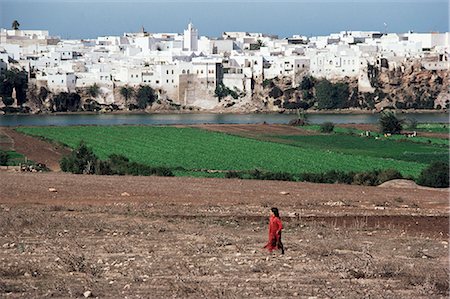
238	71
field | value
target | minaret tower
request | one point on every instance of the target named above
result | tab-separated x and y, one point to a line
190	41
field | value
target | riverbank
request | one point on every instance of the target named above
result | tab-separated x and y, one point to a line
212	112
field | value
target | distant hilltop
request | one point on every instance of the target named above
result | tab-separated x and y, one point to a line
238	72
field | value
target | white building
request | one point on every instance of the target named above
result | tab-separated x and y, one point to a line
190	41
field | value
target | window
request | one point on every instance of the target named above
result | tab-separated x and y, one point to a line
183	72
157	81
172	80
172	72
167	81
167	72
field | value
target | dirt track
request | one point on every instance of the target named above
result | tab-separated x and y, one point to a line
35	149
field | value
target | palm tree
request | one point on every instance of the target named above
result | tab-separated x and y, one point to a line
127	92
15	25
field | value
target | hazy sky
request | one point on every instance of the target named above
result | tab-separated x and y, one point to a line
88	19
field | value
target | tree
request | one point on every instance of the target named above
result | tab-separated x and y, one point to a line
14	79
145	96
127	92
15	25
436	175
67	102
331	96
4	157
222	91
327	127
81	161
389	123
307	83
94	90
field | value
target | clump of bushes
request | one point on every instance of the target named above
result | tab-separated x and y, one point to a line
83	161
435	175
367	178
4	158
327	127
260	175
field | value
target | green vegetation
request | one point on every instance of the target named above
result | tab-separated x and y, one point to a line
379	136
13	79
127	92
331	95
145	96
15	25
327	127
93	90
222	91
188	149
389	123
352	145
435	175
83	161
3	158
433	128
11	158
67	102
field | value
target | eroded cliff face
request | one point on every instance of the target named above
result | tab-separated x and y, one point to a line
407	86
412	87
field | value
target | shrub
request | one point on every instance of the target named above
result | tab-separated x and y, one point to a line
4	157
276	92
233	175
436	175
389	123
388	174
369	178
81	161
327	127
8	101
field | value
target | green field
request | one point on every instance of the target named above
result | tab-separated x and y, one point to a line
371	147
197	150
417	139
434	128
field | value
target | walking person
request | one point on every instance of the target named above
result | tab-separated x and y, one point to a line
275	227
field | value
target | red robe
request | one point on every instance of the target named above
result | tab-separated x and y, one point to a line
275	228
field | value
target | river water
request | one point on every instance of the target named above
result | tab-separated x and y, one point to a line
202	118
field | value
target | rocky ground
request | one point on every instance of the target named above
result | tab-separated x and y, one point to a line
64	235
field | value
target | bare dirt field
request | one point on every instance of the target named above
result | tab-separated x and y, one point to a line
154	237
